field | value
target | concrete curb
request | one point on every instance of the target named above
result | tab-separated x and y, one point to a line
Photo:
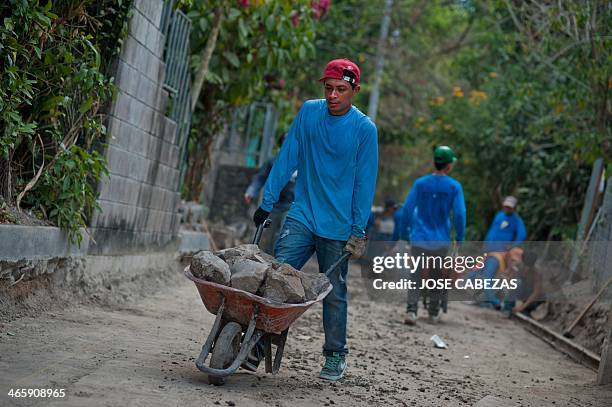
38	243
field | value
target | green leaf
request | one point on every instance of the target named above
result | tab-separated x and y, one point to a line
242	30
86	105
270	22
233	14
232	58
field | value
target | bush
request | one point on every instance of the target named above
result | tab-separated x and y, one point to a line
55	60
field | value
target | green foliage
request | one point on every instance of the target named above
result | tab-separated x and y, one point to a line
68	186
53	92
260	48
525	115
530	112
257	45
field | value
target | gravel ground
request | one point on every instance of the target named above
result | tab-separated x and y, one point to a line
142	353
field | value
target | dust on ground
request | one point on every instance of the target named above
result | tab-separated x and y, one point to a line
142	353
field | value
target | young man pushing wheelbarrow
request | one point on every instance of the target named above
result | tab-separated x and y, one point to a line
334	148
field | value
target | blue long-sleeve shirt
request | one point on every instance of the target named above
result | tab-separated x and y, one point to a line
433	197
504	231
337	161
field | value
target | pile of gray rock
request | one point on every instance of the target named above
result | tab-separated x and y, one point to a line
247	268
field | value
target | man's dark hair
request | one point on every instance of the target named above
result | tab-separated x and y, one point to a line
351	76
440	166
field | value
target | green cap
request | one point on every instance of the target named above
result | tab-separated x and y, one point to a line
444	155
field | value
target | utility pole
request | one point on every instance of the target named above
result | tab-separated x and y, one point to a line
380	60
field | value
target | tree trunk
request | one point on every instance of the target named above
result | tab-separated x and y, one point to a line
6	184
205	57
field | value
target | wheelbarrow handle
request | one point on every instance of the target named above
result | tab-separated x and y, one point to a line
260	229
338	262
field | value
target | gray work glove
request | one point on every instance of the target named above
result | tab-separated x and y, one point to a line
356	246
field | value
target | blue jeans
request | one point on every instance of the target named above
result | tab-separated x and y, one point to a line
295	246
489	272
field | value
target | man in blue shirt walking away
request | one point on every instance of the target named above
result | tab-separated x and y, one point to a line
334	148
433	196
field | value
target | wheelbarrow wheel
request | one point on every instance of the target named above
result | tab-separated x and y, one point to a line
225	350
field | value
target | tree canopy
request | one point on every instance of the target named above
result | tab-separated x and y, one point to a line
521	90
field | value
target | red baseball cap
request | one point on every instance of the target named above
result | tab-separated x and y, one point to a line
342	69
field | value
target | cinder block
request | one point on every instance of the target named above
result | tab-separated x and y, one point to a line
161	46
113	129
157	125
124	190
118	161
135	112
139	27
146	195
168	130
155	148
132	111
116	215
138	141
139	168
155	40
147	91
122	75
169	178
129	51
152	9
104	187
174	157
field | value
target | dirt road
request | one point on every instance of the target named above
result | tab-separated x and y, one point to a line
142	355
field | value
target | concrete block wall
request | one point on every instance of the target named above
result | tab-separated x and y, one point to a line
139	201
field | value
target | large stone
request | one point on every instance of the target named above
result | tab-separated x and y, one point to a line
207	266
244	251
248	275
314	284
284	285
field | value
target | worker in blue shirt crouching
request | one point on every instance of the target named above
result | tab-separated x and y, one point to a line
334	148
426	213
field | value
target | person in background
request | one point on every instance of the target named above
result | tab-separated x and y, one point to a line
382	225
530	288
427	215
334	148
507	229
280	209
497	265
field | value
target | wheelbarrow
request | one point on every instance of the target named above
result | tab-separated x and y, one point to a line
242	320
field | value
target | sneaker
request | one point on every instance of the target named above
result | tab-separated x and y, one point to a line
411	318
434	318
335	366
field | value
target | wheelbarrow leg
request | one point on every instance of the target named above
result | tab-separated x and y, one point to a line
211	337
268	352
280	347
